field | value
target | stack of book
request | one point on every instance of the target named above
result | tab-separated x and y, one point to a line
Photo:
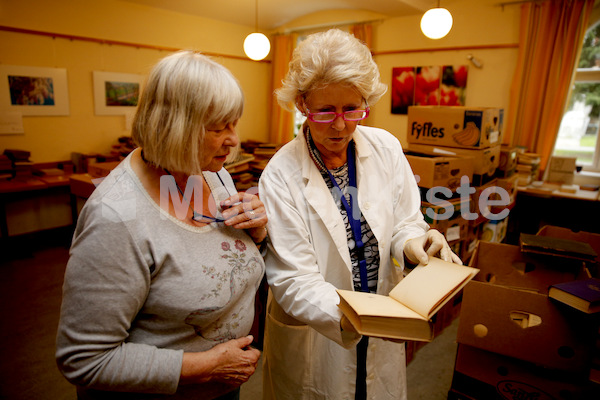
124	146
528	167
21	165
561	170
239	168
249	145
6	167
262	155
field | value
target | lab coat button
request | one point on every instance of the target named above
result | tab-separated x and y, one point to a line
367	206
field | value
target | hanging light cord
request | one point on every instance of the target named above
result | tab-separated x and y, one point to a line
256	15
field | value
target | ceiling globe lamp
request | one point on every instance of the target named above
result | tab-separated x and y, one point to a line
256	45
436	22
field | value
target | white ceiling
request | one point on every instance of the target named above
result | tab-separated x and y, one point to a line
275	13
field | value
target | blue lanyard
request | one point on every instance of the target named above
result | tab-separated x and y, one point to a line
354	222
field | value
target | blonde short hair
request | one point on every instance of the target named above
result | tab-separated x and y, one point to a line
185	92
330	57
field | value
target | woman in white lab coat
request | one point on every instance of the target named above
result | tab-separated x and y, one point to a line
310	351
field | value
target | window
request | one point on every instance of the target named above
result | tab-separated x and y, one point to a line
578	133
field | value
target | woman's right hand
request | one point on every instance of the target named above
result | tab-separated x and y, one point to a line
232	363
432	244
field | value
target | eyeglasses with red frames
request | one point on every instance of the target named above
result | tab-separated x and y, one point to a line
330	116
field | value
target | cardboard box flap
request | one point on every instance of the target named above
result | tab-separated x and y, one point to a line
524	325
480	374
435	170
485	161
506	265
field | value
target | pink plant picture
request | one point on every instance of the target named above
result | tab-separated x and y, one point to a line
427	88
430	85
403	89
454	84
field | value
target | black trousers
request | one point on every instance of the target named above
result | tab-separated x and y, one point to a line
361	369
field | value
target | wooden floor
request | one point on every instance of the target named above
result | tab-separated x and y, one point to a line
32	271
30	293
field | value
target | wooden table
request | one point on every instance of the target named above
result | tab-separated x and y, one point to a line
536	207
22	187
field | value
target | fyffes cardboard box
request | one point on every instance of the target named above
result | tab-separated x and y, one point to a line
463	127
435	170
485	161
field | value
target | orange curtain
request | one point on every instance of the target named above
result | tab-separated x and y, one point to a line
282	121
363	32
551	35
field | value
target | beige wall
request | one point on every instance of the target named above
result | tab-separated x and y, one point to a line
476	23
53	138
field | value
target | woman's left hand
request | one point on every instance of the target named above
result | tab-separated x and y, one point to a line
246	211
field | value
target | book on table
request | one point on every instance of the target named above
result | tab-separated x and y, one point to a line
407	312
583	294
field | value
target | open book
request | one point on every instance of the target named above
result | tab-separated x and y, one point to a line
406	313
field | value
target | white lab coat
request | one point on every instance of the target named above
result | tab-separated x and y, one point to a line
306	356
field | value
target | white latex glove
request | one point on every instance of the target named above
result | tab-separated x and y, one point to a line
433	243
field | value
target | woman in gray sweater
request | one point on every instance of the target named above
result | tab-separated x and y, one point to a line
158	296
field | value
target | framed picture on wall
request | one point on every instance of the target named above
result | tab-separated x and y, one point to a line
34	90
439	85
116	93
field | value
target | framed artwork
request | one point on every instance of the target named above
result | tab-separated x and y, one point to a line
403	89
116	93
431	85
34	90
427	86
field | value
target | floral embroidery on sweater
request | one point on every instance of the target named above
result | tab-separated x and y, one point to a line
231	280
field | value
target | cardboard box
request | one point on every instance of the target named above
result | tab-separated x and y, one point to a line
562	164
82	185
492	196
508	161
524	325
485	161
448	313
101	169
510	185
479	374
465	127
452	226
444	171
506	310
560	177
471	241
565	233
494	230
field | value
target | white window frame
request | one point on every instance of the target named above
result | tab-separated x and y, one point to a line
590	75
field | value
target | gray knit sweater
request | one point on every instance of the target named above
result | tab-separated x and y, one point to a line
141	287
